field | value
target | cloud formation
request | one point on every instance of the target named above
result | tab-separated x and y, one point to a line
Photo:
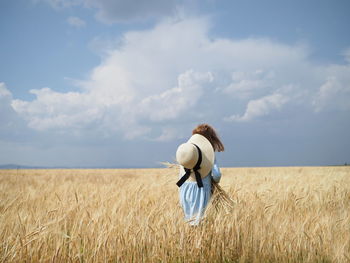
334	93
11	123
247	84
76	21
155	81
6	112
261	107
5	101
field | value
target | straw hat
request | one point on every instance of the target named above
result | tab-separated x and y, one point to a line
187	155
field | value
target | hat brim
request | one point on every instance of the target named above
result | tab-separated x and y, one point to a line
208	155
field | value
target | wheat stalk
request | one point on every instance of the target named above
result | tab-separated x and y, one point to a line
170	165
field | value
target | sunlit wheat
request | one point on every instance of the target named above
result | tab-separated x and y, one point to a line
299	214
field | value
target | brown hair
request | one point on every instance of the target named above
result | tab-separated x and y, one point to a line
208	132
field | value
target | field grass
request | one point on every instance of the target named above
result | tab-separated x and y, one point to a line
298	214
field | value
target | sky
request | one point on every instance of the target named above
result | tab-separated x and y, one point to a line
101	83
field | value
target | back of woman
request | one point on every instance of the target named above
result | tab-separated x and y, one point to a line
198	167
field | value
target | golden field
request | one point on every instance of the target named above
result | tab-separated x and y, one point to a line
296	214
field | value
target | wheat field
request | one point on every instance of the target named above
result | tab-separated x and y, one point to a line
295	214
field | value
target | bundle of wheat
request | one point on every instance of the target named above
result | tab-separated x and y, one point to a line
220	200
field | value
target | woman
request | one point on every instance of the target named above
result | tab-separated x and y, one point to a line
197	168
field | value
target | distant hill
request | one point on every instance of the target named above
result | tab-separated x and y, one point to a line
158	165
16	166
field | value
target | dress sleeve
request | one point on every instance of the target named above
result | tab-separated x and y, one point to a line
215	173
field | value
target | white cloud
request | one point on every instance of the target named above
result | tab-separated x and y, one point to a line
9	119
76	21
177	73
4	92
334	93
173	102
149	78
52	110
167	134
346	54
247	84
261	107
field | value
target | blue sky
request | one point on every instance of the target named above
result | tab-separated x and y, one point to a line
104	83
